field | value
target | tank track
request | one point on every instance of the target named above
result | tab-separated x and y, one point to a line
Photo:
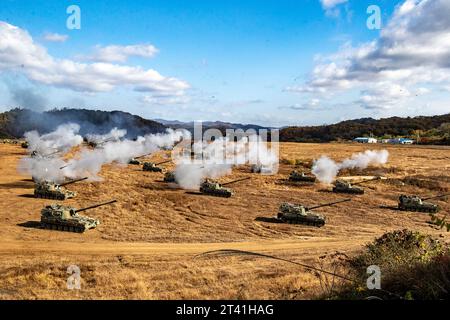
306	223
302	180
217	194
349	192
51	226
153	170
50	196
425	210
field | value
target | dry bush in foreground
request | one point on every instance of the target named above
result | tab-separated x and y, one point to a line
413	266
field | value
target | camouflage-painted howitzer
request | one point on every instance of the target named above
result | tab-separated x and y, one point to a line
65	218
153	167
299	214
415	203
342	186
50	190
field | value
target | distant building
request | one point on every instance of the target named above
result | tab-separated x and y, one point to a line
400	141
406	141
365	140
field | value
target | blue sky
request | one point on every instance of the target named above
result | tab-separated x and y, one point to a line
239	61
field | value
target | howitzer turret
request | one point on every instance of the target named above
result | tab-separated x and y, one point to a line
298	214
135	160
415	203
214	188
341	186
263	169
170	177
65	218
296	176
50	190
150	166
96	144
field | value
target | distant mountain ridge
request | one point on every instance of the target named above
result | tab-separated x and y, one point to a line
432	129
175	124
14	123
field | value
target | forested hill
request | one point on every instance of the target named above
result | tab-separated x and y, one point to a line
14	123
432	129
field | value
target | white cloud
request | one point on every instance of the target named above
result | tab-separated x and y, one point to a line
383	95
18	52
331	7
114	53
177	98
412	50
329	4
55	37
313	104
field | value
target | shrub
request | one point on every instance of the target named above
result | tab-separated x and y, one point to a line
413	266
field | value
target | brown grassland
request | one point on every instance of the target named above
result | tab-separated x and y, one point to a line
148	243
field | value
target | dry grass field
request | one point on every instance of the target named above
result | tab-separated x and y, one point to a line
148	243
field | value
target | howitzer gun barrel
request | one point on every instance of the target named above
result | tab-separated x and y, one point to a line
73	181
162	162
98	143
48	154
328	204
141	156
435	197
367	180
95	206
238	180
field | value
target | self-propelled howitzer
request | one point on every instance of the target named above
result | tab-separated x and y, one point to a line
153	167
415	203
50	190
299	214
65	218
136	160
213	188
296	176
341	186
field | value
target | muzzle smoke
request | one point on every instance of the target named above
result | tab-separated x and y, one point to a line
216	159
326	169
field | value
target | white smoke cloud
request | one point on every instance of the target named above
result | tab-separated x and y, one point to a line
190	176
62	139
326	169
218	158
114	135
42	168
88	162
